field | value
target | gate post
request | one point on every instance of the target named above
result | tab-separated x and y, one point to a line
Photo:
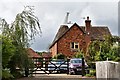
83	67
26	71
67	66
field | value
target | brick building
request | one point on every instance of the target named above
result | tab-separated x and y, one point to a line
32	54
69	40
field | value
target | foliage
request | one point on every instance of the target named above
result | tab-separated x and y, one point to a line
24	28
79	54
91	74
114	53
40	53
54	57
103	50
18	74
6	75
8	50
59	56
116	39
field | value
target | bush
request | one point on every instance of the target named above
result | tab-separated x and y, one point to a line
91	65
92	73
59	56
18	74
79	54
6	75
89	75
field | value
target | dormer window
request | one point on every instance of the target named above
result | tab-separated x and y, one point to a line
74	45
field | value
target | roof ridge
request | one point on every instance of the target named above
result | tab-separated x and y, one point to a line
97	31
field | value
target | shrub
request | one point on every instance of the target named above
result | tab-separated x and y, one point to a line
6	75
79	54
92	73
59	56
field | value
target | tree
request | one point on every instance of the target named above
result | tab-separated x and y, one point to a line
103	50
8	51
114	53
24	28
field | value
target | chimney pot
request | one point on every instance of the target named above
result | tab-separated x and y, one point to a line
87	17
88	25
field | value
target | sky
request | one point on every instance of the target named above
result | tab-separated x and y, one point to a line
51	15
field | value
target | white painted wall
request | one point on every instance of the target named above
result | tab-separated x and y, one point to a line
108	69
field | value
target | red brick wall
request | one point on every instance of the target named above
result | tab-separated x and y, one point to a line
73	35
53	50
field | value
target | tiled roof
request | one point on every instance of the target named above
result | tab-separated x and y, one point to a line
46	54
97	32
32	53
61	31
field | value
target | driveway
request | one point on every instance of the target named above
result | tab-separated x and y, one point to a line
56	77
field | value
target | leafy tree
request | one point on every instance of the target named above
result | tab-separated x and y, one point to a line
8	50
103	50
24	28
116	39
114	53
6	75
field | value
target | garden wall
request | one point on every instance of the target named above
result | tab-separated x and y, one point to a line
108	69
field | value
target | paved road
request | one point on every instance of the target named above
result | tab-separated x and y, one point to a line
56	77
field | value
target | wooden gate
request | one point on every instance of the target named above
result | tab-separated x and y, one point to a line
49	66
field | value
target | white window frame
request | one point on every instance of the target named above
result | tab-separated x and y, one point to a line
74	45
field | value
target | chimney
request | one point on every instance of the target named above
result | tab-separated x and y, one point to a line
87	25
66	18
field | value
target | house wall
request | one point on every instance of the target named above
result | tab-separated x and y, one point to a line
88	41
73	35
53	50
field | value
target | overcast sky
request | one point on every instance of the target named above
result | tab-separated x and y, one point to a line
52	14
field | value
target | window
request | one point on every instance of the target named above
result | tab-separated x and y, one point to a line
74	45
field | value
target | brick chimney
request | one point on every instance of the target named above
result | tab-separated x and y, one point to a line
88	25
88	33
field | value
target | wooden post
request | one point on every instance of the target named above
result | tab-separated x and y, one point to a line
68	66
26	72
83	67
